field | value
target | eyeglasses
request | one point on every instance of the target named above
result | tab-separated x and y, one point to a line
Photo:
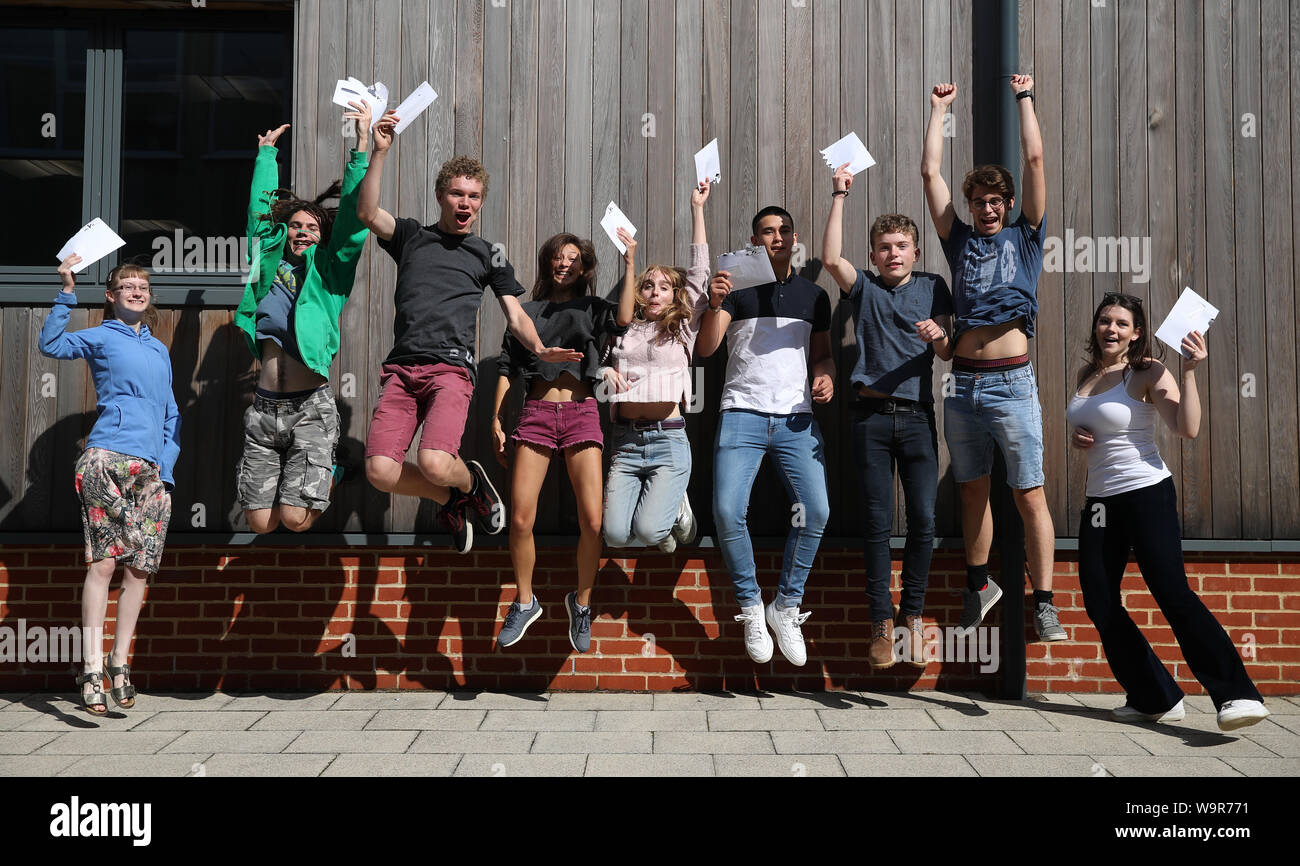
995	202
132	287
1120	298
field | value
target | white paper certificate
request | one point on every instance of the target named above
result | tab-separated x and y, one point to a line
748	267
708	164
849	149
614	220
1191	313
92	243
420	99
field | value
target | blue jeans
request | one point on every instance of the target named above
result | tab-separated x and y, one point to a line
648	475
985	409
881	439
795	442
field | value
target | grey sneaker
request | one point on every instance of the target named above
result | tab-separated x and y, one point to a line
685	528
1047	623
976	605
518	619
579	623
669	544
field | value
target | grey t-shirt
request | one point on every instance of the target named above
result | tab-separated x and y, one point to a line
892	359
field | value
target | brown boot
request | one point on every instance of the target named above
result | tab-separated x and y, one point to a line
914	651
881	654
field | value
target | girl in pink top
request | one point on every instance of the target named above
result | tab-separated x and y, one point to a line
647	382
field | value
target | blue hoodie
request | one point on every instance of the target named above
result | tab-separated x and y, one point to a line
133	385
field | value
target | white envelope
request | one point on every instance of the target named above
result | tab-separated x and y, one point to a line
1191	313
708	164
351	90
748	267
420	99
92	243
614	220
849	149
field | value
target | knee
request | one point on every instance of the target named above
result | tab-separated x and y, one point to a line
589	524
522	520
641	529
438	467
729	513
974	492
815	514
382	473
101	571
298	519
262	521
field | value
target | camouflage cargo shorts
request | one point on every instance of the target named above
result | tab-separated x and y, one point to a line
289	451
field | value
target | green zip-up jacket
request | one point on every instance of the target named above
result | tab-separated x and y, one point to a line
328	273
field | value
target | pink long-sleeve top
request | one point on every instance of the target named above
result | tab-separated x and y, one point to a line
656	365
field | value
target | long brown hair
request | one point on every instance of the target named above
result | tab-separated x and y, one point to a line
544	285
678	313
1140	348
285	203
115	276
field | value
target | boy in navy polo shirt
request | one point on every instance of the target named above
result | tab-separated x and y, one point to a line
775	333
995	267
902	319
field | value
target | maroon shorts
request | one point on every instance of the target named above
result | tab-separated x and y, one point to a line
559	425
435	395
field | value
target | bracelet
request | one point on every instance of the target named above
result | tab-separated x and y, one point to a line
1025	94
839	192
714	309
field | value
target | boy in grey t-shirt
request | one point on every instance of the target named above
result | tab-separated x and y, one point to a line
902	319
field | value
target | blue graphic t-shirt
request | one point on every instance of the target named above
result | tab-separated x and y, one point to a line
994	278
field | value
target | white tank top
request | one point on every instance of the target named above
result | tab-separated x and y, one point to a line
1123	455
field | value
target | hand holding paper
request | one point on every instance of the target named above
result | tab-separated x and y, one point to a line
614	220
1191	313
748	267
708	164
92	243
351	90
420	99
849	149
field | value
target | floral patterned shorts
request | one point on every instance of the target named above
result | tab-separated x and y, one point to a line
125	509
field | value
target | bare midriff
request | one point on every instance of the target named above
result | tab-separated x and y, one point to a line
281	374
994	342
646	411
566	388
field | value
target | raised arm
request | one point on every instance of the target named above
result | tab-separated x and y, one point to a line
627	298
845	274
937	195
1033	202
374	217
266	179
1181	411
699	196
55	342
716	319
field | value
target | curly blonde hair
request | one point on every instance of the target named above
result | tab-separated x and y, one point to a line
678	313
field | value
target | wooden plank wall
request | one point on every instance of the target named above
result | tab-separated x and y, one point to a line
1162	120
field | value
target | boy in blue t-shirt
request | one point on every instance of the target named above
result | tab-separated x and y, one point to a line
995	268
902	319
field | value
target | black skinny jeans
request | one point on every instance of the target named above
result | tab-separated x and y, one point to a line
1145	522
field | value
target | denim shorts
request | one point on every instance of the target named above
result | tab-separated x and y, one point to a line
559	425
1002	409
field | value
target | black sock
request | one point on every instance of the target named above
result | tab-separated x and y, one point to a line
1042	596
977	577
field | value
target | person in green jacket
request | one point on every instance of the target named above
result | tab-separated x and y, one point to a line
303	268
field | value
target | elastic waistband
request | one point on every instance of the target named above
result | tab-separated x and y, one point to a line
667	424
264	396
996	365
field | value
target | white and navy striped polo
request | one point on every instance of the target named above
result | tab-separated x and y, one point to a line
767	344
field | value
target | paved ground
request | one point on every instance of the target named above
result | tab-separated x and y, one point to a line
575	734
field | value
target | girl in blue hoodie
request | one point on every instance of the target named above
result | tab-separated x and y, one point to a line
124	477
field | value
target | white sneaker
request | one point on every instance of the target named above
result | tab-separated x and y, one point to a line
785	623
684	528
1240	713
669	544
1128	714
758	643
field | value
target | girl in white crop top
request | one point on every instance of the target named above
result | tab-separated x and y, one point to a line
1132	509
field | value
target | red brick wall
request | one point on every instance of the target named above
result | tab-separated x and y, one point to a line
276	618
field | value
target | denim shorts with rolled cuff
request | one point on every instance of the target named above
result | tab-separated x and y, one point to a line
558	425
988	409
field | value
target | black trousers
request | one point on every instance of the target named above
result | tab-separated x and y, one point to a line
1145	522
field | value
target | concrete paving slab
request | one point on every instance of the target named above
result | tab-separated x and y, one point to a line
1089	719
494	701
1036	765
231	742
954	743
9	698
1284	744
16	719
334	742
14	743
879	720
599	701
658	720
72	719
1161	765
266	765
508	766
320	720
906	765
769	720
179	702
473	742
128	766
1075	743
992	720
682	701
425	720
1107	701
539	720
34	765
1032	702
387	766
103	742
926	700
1285	722
676	766
218	720
833	742
285	701
814	701
713	742
783	766
594	742
1288	767
404	700
1198	745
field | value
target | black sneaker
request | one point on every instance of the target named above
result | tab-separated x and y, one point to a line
452	516
483	505
976	605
